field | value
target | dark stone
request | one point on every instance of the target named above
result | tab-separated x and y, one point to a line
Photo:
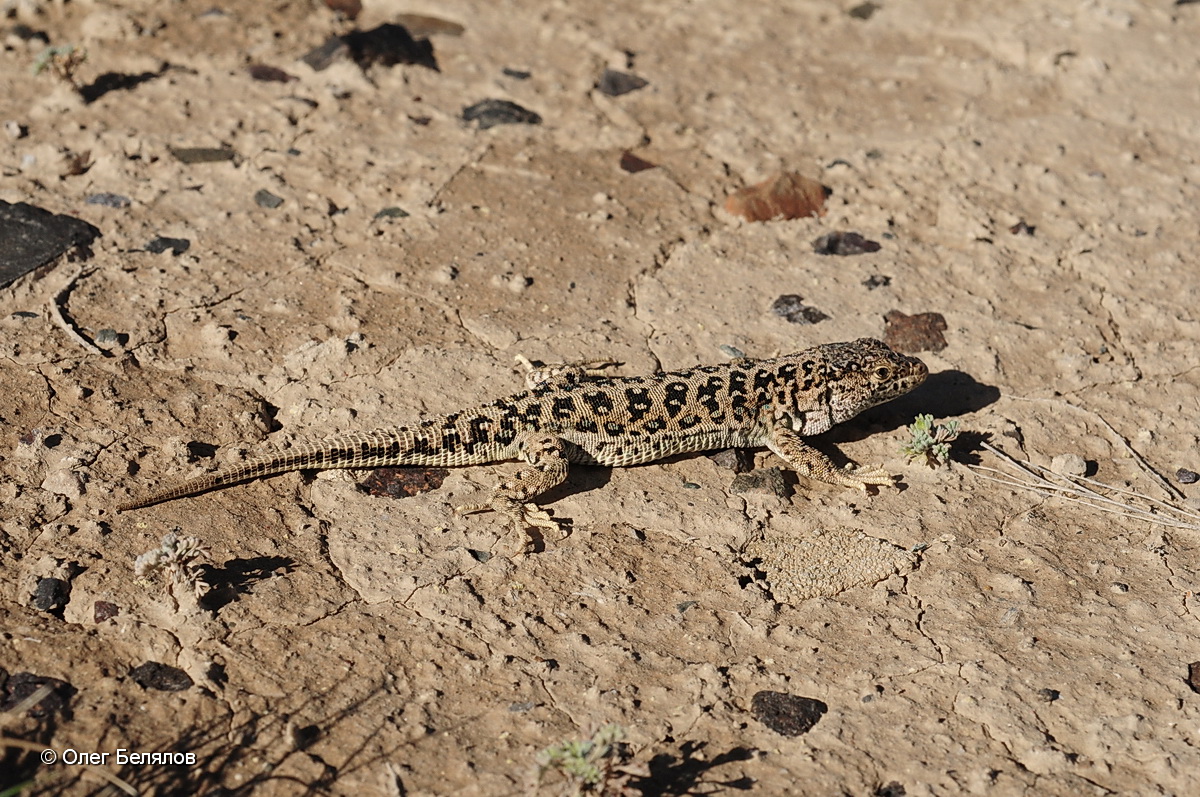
844	244
164	678
613	83
388	45
31	237
490	113
633	164
51	594
103	610
108	200
265	199
269	74
863	10
791	307
404	482
789	715
160	244
202	154
23	684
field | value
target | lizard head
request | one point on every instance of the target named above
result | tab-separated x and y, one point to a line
857	375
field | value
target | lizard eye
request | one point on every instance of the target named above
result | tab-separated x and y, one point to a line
883	373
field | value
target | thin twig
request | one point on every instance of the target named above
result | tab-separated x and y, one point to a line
1039	480
56	312
1171	490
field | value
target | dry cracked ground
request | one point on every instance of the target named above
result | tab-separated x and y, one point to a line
342	249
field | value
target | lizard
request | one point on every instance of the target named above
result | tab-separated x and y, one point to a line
572	414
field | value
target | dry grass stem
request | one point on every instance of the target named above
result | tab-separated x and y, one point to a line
1048	483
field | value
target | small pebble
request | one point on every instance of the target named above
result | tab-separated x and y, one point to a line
423	25
51	594
160	244
633	164
350	9
613	83
322	57
844	244
269	74
738	460
909	334
791	307
265	199
202	154
863	10
104	610
1069	465
107	339
108	200
164	678
489	113
1185	476
513	281
392	212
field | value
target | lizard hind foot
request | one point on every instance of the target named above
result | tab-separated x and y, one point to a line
562	374
862	477
524	516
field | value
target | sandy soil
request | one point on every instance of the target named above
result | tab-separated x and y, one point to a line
353	644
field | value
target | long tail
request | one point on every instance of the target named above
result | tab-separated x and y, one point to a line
380	448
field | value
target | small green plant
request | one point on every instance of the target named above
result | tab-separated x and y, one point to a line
176	557
930	441
63	60
598	765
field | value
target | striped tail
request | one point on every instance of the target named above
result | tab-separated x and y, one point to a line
380	448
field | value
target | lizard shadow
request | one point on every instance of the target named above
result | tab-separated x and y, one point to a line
580	479
236	576
946	394
671	775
